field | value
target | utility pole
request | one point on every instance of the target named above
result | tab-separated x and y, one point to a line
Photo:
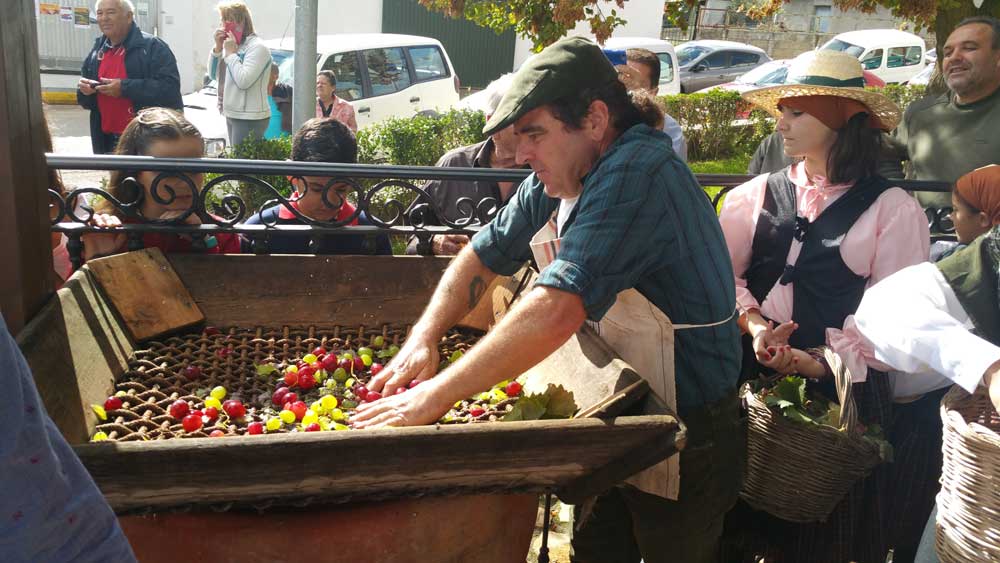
304	88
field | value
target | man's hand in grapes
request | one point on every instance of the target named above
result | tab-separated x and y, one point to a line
422	404
418	359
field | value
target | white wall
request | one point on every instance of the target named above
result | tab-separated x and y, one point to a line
644	19
271	19
175	28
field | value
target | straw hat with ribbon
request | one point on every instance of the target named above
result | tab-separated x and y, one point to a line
827	73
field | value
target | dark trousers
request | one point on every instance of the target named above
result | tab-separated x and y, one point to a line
627	525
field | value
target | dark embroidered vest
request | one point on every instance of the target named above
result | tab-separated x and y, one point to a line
826	291
972	274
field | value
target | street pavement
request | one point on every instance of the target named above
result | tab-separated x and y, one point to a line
70	128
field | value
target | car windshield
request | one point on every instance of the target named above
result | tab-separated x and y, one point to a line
689	53
843	46
766	74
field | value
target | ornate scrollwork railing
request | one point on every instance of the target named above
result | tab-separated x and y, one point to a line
388	197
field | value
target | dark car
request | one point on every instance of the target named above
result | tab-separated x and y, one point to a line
705	63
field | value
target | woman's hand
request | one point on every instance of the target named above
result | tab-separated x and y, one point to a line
229	45
768	340
992	381
418	360
96	245
422	404
220	38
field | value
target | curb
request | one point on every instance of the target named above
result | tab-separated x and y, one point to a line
59	98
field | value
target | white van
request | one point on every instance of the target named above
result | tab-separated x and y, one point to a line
670	80
893	55
382	75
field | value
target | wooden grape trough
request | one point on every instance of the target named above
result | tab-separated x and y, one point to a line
80	343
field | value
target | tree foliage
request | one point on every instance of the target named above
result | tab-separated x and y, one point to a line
541	21
938	15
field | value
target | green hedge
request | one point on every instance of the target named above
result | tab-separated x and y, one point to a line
718	124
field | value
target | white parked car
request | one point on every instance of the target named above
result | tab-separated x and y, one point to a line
382	75
893	55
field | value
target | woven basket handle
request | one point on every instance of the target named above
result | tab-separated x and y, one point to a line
848	410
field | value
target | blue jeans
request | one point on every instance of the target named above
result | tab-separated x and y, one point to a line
926	552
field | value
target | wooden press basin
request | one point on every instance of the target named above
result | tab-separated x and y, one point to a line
431	493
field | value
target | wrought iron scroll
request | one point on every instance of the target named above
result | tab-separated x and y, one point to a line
389	204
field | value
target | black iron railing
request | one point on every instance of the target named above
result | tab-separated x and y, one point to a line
388	196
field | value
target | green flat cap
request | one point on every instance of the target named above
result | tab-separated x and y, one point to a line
563	68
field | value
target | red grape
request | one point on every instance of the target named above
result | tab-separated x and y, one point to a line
179	409
477	412
112	403
306	380
373	396
299	408
255	428
330	362
191	423
216	433
192	373
211	413
376	368
277	399
314	427
290	397
234	408
291	378
319	351
512	389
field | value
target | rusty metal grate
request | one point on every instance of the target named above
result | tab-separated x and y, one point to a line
155	377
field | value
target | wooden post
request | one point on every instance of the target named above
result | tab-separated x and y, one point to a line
25	251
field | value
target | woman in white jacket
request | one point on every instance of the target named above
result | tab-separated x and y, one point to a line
241	63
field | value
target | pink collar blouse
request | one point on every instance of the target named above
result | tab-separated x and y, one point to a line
890	235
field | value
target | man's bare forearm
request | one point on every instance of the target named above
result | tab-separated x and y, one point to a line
459	291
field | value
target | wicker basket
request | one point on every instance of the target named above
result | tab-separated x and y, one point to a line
799	472
968	521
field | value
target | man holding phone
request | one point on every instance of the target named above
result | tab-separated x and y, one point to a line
126	71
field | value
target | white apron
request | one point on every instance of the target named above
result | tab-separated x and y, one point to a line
644	337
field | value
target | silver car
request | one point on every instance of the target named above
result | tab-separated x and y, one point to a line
707	62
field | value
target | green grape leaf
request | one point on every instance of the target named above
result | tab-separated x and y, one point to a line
772	401
792	389
266	369
561	403
530	407
793	413
555	402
